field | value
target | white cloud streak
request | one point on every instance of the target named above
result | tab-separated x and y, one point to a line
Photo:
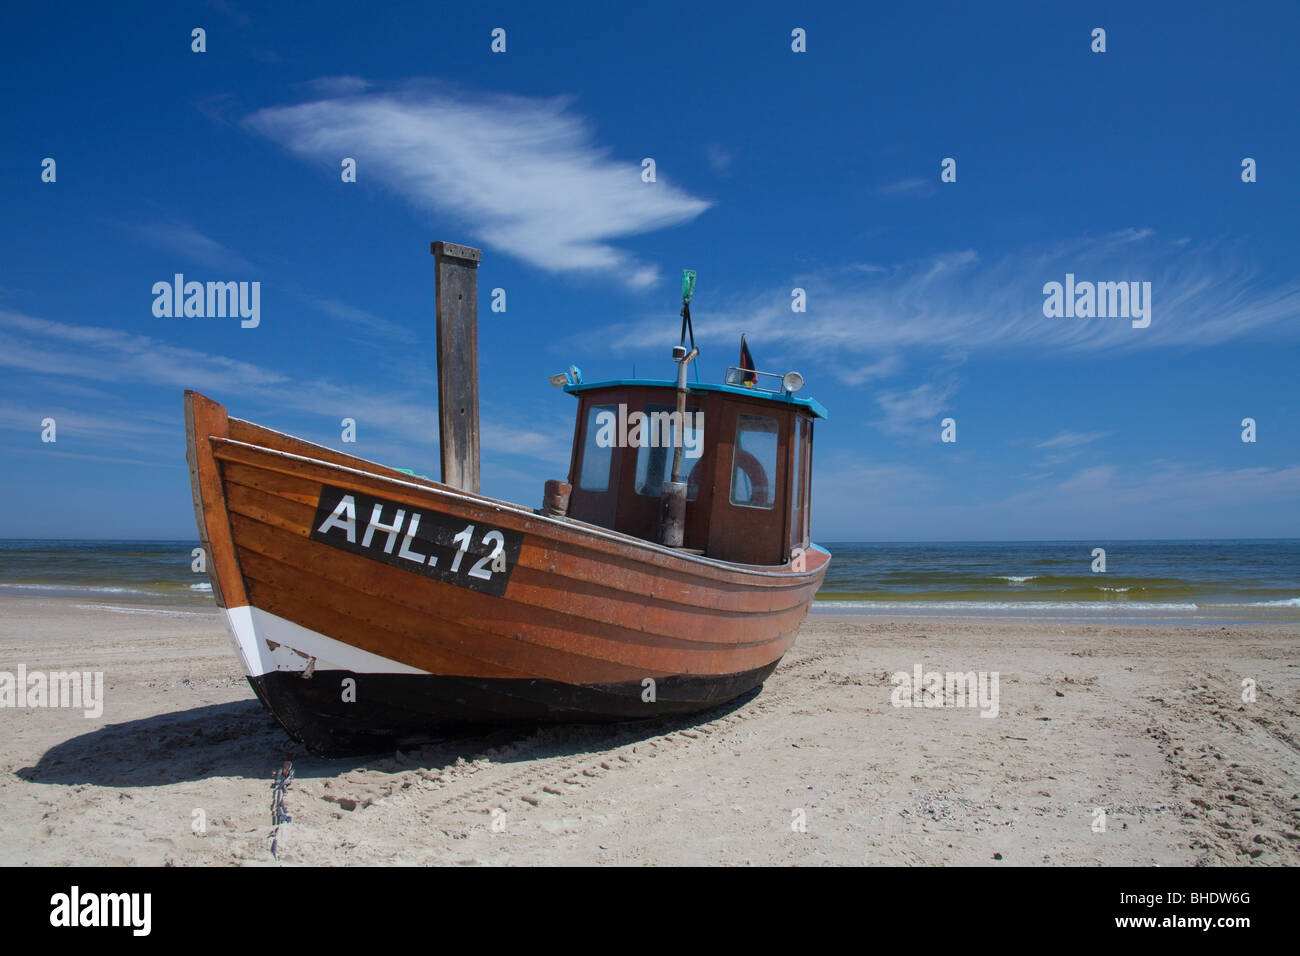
904	411
913	186
891	500
188	242
366	320
394	429
1202	296
1071	439
523	174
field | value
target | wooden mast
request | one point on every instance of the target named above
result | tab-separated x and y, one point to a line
456	285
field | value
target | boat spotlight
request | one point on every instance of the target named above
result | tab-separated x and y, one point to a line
572	377
792	381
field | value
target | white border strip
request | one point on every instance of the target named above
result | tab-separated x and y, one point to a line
252	628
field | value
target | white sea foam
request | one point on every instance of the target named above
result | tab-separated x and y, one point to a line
117	609
1008	605
82	588
914	606
202	586
1017	578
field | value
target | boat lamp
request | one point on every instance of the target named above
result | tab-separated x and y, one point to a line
572	377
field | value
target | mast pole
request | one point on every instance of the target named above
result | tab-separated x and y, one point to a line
672	530
456	295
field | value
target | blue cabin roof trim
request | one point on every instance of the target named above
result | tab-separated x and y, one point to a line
779	398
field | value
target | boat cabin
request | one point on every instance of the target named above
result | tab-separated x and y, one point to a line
746	461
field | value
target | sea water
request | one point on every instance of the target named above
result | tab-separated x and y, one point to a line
1142	580
1192	580
154	572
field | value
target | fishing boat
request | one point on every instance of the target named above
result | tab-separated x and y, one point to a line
373	608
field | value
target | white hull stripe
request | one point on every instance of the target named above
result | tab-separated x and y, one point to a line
297	646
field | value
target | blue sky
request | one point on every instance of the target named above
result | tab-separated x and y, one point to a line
775	170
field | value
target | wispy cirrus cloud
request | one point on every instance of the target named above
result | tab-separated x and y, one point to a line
64	357
889	500
71	420
186	241
92	353
1109	489
718	158
860	374
904	411
336	85
913	186
99	354
1071	439
523	174
1066	446
1203	295
845	482
236	16
366	320
552	447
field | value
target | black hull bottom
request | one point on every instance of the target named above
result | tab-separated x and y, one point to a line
387	711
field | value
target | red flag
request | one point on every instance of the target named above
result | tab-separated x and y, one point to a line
747	364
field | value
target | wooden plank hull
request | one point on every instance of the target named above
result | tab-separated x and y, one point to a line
371	608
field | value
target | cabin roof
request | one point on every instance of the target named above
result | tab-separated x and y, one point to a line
813	406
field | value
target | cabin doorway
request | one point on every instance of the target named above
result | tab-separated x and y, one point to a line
747	522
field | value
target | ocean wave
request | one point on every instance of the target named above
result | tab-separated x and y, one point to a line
118	609
202	586
1017	578
1120	605
80	588
1289	602
1011	605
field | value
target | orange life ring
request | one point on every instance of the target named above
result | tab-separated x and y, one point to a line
759	489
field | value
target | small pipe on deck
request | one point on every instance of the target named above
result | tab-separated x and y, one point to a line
555	500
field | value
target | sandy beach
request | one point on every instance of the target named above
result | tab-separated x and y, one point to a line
819	767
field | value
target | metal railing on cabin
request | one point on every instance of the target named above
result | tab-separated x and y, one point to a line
736	376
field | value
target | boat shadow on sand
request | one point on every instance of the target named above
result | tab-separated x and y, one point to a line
241	739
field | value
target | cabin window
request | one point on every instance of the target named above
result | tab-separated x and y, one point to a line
800	485
654	460
806	482
753	462
597	449
797	483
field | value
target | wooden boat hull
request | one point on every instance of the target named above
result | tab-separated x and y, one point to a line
373	609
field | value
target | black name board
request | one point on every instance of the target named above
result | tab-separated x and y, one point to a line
469	554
